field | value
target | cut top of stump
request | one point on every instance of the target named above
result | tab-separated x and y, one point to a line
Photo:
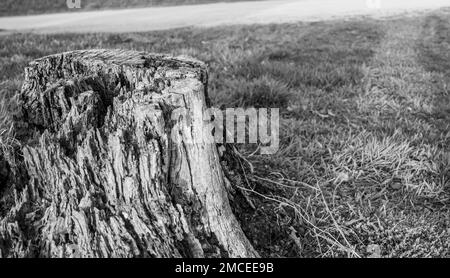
52	80
122	57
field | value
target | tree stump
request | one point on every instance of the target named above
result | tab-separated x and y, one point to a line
100	174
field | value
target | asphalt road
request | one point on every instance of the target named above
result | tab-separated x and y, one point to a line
159	18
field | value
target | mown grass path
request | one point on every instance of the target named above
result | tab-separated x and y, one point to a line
404	151
372	140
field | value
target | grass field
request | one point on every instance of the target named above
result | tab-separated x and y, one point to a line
22	7
364	164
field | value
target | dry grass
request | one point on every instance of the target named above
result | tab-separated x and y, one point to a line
364	162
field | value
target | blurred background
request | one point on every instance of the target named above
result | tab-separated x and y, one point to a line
23	7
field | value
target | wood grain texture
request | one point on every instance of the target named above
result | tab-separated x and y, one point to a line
104	177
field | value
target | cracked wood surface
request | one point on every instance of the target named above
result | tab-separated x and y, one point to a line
101	175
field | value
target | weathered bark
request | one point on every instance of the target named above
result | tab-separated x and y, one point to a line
102	175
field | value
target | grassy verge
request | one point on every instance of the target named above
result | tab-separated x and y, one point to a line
364	164
25	7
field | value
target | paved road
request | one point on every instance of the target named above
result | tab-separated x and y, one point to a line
158	18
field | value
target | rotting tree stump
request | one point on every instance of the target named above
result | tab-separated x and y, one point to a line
99	174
